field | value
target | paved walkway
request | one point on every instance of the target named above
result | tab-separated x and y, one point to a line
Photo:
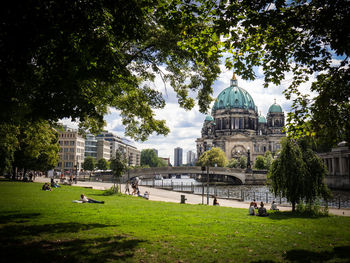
175	197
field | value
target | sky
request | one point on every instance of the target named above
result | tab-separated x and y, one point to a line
185	126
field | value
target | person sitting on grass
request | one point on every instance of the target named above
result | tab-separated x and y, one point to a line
84	199
54	184
46	187
215	201
262	210
251	209
274	206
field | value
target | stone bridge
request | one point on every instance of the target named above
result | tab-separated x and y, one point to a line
238	176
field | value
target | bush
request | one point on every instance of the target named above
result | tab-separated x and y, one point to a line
233	163
314	209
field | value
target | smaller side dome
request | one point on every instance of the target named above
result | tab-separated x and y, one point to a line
262	119
209	118
275	108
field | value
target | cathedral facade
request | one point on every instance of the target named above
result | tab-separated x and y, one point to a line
236	127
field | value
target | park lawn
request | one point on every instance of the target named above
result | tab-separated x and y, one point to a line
42	226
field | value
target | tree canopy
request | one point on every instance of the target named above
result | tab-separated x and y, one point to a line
76	59
150	158
102	164
118	165
29	146
89	163
212	157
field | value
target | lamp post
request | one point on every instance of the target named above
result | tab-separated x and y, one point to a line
129	168
248	161
203	169
207	184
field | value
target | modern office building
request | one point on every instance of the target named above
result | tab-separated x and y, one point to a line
178	156
191	158
155	151
72	151
125	146
90	146
236	127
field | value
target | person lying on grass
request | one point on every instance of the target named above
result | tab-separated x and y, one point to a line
84	199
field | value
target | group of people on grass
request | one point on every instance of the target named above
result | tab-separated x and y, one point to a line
261	210
135	189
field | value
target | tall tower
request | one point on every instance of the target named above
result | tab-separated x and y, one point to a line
178	156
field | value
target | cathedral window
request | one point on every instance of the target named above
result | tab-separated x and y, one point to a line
236	123
241	123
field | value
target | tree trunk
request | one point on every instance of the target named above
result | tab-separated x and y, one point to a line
293	206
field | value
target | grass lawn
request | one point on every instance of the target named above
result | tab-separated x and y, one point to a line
42	226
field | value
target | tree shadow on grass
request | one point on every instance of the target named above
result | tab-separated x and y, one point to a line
11	216
14	232
95	250
337	254
280	215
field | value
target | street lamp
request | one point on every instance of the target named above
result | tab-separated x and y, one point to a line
129	168
207	184
248	161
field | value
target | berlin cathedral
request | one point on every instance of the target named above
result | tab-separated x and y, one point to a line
236	127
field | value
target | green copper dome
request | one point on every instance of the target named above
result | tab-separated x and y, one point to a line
275	108
209	118
234	97
262	119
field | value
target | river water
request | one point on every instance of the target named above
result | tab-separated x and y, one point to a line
238	192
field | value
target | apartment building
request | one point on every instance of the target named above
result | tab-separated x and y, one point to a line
72	151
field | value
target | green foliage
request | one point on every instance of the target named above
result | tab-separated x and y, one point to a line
233	163
260	162
312	209
29	146
215	156
102	164
298	174
38	147
89	163
8	145
77	59
268	159
150	158
118	166
243	161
